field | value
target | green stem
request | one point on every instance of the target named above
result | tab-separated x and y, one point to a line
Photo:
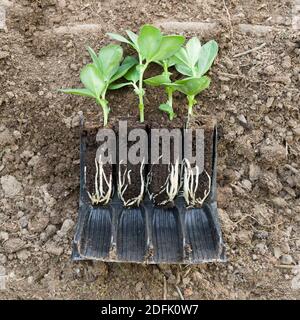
141	108
169	91
165	65
104	104
141	92
191	100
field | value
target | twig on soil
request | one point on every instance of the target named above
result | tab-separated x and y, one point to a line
253	218
187	272
249	51
165	289
284	266
191	183
229	18
286	150
179	292
231	75
100	196
294	170
122	186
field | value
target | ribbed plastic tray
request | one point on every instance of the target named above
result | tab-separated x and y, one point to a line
148	234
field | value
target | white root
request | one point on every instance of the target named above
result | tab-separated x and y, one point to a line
171	186
100	196
191	183
122	185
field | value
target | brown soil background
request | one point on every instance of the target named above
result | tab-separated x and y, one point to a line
255	98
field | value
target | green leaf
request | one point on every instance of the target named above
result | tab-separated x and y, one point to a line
110	58
149	41
166	107
133	37
127	63
192	86
94	58
183	69
193	48
207	56
169	46
92	80
171	61
182	57
132	75
115	86
158	80
79	92
118	37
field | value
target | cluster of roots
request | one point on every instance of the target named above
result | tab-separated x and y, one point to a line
182	179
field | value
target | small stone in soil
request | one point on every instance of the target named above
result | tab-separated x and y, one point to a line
197	277
247	184
34	161
3	258
273	154
4	54
279	202
224	196
66	227
268	181
54	249
3	236
285	248
286	63
23	222
6	138
286	259
23	255
270	70
27	154
17	134
277	252
13	245
254	172
139	286
188	292
50	230
296	131
244	236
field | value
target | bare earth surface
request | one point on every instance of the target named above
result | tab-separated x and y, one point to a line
255	97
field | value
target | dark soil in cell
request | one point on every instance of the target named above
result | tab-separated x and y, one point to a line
159	176
207	124
131	178
90	155
159	173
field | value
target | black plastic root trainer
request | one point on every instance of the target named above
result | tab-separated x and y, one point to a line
148	234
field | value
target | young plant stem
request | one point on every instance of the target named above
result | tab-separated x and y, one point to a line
169	92
191	100
141	91
104	104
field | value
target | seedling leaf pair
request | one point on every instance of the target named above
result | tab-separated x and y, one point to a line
99	75
156	47
195	60
151	46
